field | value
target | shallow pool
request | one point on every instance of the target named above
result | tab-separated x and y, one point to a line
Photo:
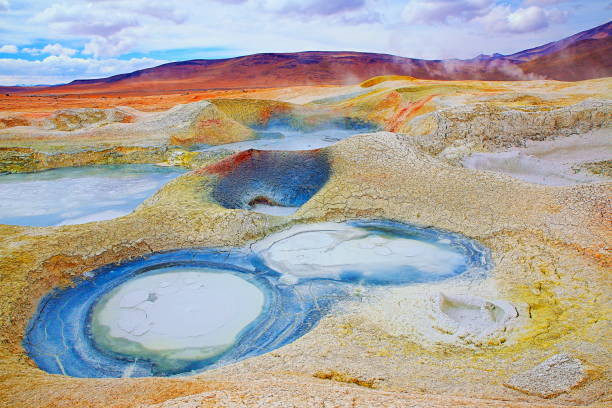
288	139
76	195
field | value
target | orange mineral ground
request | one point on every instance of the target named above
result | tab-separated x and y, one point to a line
148	101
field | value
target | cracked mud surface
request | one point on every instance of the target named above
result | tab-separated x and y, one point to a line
387	346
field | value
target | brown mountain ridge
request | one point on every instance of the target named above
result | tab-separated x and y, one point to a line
585	55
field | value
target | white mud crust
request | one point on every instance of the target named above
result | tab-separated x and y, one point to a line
555	162
472	319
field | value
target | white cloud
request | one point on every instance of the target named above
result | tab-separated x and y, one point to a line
556	15
543	2
523	20
344	12
105	18
526	19
8	49
161	11
441	11
51	49
4	5
58	49
108	47
102	19
110	26
313	7
61	68
486	13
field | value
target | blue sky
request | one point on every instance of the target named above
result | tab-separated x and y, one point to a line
50	42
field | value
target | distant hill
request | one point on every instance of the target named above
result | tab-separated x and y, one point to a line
18	88
601	32
585	55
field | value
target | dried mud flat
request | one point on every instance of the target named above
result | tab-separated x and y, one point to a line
426	344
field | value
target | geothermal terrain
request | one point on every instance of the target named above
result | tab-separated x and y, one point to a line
363	233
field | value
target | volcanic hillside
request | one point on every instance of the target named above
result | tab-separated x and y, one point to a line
585	55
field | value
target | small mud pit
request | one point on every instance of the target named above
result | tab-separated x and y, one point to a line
270	182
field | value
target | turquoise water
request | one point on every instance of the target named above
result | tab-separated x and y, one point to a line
76	195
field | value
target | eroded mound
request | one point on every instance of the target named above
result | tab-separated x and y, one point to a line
72	119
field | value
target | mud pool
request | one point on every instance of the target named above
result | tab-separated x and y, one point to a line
76	195
289	139
186	311
271	182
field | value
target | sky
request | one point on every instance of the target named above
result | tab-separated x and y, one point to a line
51	42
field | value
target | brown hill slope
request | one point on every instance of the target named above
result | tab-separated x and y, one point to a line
584	55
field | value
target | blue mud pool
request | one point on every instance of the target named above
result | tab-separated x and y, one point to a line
185	311
273	182
76	195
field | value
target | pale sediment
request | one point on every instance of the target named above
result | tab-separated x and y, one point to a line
556	162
